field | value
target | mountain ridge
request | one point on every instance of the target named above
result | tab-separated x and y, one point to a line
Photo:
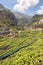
8	17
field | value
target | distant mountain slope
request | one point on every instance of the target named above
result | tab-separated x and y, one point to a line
22	17
34	21
37	17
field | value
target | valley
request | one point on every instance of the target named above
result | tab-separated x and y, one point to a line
21	38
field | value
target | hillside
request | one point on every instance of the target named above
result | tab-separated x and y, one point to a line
21	38
7	18
23	20
24	49
37	17
35	22
22	17
21	32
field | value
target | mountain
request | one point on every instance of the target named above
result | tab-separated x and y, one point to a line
37	21
7	18
22	17
23	20
37	17
1	7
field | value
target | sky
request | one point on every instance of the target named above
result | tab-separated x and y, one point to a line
29	7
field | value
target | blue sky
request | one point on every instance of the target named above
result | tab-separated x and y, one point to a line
14	6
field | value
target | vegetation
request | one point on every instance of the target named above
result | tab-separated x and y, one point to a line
22	50
21	41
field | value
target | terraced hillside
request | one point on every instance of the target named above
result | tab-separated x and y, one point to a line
24	49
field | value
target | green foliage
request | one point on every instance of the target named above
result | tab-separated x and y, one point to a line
25	49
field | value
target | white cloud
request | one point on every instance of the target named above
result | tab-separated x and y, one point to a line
23	5
40	11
